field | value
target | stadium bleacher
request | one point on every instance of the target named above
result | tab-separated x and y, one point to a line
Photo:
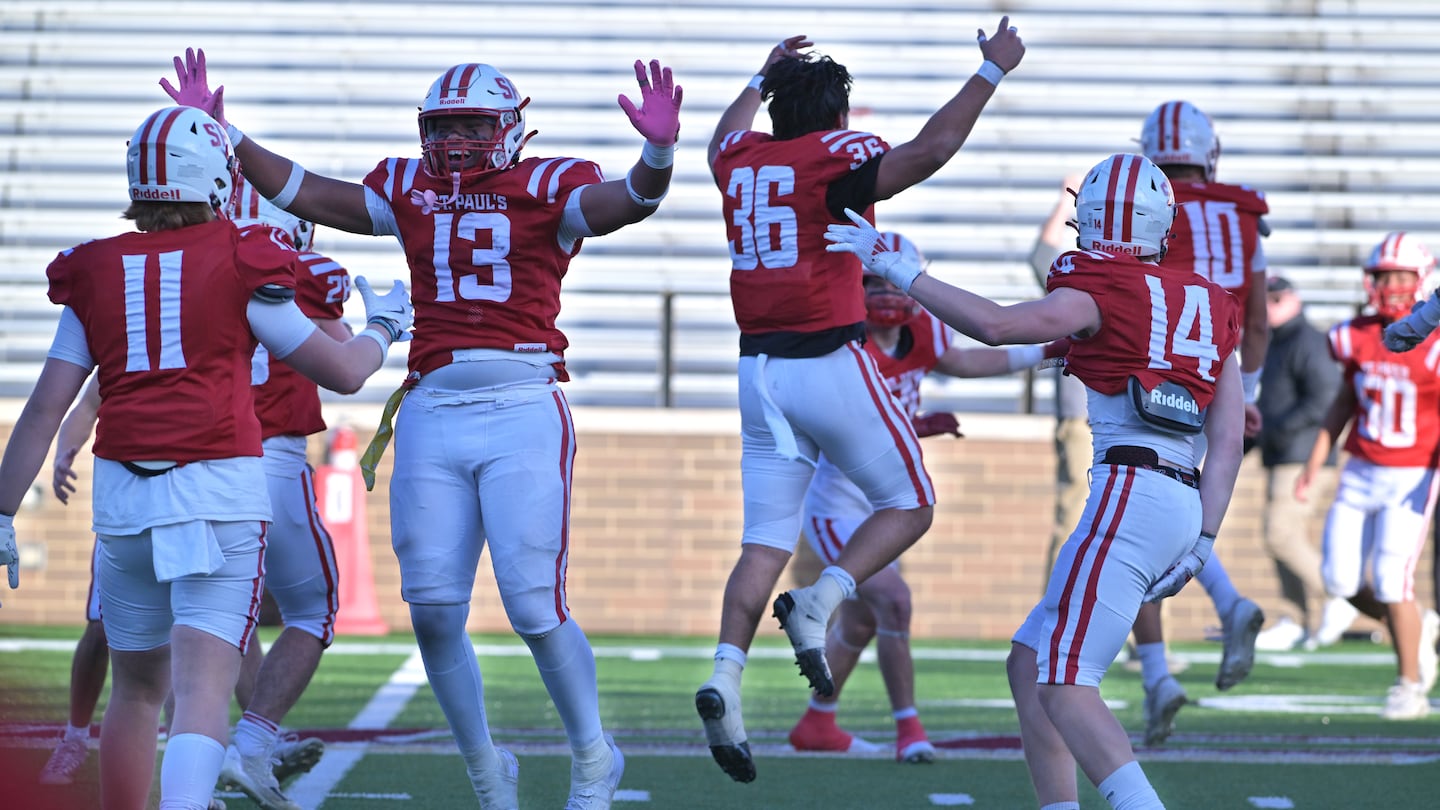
1324	104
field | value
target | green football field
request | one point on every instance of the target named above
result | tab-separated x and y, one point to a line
1302	732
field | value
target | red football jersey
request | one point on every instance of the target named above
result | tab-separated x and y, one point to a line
288	402
164	317
1217	234
930	339
1156	324
485	262
773	196
1397	416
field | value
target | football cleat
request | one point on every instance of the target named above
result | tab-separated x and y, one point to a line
802	621
293	755
1406	700
498	788
592	786
719	709
1238	658
1429	658
1162	703
817	731
67	758
254	777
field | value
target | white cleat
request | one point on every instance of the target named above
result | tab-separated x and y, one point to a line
1335	619
592	787
1406	700
255	777
67	758
1161	705
293	755
499	788
1282	636
805	623
1242	626
719	709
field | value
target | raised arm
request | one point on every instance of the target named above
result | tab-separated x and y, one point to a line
326	200
946	131
740	115
614	204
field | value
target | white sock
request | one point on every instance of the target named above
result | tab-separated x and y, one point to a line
1127	789
1153	666
81	733
254	735
729	652
189	770
567	666
842	578
820	706
1217	583
454	675
904	714
1062	806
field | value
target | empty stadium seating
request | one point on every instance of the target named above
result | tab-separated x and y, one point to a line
1326	105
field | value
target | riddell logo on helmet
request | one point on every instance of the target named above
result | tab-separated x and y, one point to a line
448	101
154	194
1112	247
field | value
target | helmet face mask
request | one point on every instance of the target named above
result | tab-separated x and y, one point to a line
471	122
180	154
1397	274
1177	133
252	208
1125	205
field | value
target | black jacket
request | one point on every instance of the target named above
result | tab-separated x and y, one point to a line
1296	389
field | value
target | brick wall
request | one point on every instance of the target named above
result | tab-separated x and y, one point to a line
656	523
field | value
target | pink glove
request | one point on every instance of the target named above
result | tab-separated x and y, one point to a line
1057	348
194	88
658	117
934	424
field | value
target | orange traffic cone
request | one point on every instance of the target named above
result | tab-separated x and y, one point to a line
340	493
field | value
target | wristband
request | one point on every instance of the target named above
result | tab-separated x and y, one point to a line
1209	535
990	72
755	82
236	136
1250	384
658	157
392	330
292	186
1023	356
379	341
644	202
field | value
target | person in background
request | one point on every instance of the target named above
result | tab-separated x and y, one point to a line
1376	528
1217	235
170	315
801	315
1156	348
485	443
1299	384
906	343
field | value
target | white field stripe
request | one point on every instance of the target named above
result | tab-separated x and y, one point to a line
951	799
1276	802
313	788
632	795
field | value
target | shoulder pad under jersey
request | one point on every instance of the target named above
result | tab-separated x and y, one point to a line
273	294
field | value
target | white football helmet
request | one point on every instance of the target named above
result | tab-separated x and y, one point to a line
472	90
1178	133
1399	251
251	208
886	304
180	154
1125	205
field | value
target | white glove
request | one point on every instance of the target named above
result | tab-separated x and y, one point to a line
1183	570
874	251
9	555
391	312
1411	330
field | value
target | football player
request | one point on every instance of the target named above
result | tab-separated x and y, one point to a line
906	343
1217	235
1380	518
1155	346
488	443
171	315
801	315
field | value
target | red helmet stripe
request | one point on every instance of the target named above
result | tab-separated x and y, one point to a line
1390	249
1174	113
1132	180
456	80
157	129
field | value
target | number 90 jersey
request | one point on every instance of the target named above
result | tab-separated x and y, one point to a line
1397	410
774	198
485	260
1157	324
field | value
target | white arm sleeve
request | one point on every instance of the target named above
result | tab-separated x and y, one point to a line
572	223
382	217
282	327
69	343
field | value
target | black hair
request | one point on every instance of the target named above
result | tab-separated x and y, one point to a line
805	95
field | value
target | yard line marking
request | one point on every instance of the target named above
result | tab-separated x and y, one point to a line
1272	802
632	796
313	788
951	799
